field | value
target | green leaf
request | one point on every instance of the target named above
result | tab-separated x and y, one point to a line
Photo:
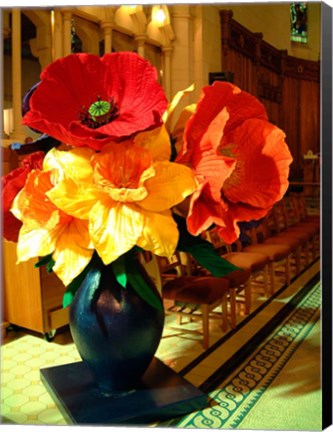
48	261
72	288
202	251
138	282
119	270
49	266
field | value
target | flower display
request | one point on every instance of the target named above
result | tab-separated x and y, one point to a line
12	183
48	230
87	100
126	174
229	134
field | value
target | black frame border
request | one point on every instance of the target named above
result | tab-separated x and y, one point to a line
326	211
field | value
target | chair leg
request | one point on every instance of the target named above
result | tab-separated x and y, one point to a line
205	325
307	255
247	295
298	260
265	276
272	272
224	309
232	294
314	247
287	270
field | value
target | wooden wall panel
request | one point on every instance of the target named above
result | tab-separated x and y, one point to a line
244	71
309	125
289	120
288	87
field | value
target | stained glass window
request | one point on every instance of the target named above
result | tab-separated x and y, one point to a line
299	22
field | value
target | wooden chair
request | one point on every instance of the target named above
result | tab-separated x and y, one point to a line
284	223
194	297
273	235
256	263
277	253
298	200
239	284
297	219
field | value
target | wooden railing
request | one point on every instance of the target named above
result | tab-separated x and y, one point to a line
288	87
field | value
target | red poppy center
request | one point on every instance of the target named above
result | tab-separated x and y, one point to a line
99	113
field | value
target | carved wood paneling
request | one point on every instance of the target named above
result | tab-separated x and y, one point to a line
288	87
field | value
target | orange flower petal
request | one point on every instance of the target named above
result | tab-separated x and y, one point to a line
114	228
73	251
160	233
260	177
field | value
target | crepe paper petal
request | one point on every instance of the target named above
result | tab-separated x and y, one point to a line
11	186
33	161
204	210
231	125
159	234
36	242
140	285
74	163
208	143
157	141
46	229
12	183
215	169
11	227
168	114
171	184
121	166
33	207
71	254
114	229
32	203
177	131
239	104
261	174
71	84
212	136
238	213
75	199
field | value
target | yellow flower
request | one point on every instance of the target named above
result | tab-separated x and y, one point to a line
48	230
124	193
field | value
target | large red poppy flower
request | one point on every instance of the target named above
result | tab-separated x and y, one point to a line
87	100
241	159
12	183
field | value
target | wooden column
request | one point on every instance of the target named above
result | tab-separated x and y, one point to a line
5	35
57	35
17	75
67	36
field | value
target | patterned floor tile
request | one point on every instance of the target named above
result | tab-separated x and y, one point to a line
24	399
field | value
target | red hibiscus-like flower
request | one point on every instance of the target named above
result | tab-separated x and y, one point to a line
240	159
87	100
12	183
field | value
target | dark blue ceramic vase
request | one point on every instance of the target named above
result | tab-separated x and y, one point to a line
115	330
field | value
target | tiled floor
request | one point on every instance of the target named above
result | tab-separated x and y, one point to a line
25	400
